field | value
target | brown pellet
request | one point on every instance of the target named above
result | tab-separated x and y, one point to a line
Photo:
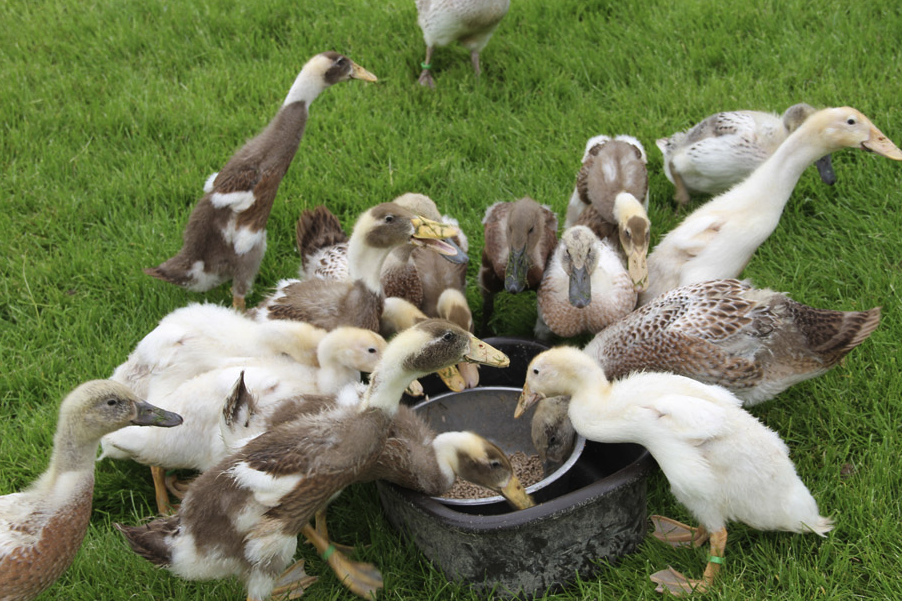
528	469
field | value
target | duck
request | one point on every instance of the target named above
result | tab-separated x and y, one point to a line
611	197
723	149
342	354
42	527
413	456
754	342
718	239
242	517
434	283
470	22
722	464
519	238
196	338
226	234
585	287
322	244
552	432
357	302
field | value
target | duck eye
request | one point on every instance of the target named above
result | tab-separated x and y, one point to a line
389	218
112	402
341	62
372	349
535	371
531	229
448	336
494	464
552	440
851	121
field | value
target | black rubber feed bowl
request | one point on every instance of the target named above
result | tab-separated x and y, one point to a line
597	513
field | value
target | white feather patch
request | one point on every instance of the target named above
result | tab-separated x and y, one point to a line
208	185
237	201
202	281
268	490
243	240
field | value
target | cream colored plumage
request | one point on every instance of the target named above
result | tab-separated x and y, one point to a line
723	149
722	463
718	239
585	286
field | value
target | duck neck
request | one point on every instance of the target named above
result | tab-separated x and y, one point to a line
387	385
365	263
70	455
772	183
446	455
333	376
306	87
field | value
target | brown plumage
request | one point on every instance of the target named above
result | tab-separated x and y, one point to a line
519	238
226	234
322	244
358	300
756	343
243	516
41	528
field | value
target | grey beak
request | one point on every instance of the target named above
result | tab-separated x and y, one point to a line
515	274
580	288
151	415
825	169
460	258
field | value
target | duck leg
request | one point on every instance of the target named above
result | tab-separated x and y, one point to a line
323	531
682	193
676	533
671	581
238	302
425	75
362	579
293	582
161	491
474	58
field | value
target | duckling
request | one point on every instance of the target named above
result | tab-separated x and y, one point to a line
358	302
242	517
611	197
194	339
718	239
756	343
342	354
722	463
552	433
585	286
723	149
226	234
519	238
470	22
41	528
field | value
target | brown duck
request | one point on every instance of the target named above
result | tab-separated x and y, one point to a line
226	234
41	528
242	518
519	238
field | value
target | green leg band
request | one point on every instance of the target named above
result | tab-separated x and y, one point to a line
328	552
715	559
426	65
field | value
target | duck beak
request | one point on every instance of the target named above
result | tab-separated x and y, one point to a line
481	352
430	234
825	169
527	399
580	288
470	373
151	415
515	273
452	378
415	389
637	263
459	257
880	144
358	72
516	495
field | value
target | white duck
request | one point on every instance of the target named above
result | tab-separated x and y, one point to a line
722	463
723	149
611	197
342	355
470	22
41	528
585	286
718	239
196	338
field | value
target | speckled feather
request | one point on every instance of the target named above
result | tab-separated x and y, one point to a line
754	342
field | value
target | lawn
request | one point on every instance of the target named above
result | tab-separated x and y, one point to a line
113	114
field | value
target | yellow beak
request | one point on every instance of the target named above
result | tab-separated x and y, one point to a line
516	495
482	352
358	72
527	399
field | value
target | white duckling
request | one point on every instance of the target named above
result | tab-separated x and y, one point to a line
242	518
611	197
722	463
723	149
342	354
470	22
585	286
718	239
196	338
226	234
42	527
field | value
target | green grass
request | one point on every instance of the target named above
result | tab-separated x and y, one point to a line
114	113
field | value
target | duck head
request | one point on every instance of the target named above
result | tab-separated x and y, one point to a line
324	70
524	232
388	225
422	205
552	432
579	261
355	348
558	371
846	127
634	231
481	462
